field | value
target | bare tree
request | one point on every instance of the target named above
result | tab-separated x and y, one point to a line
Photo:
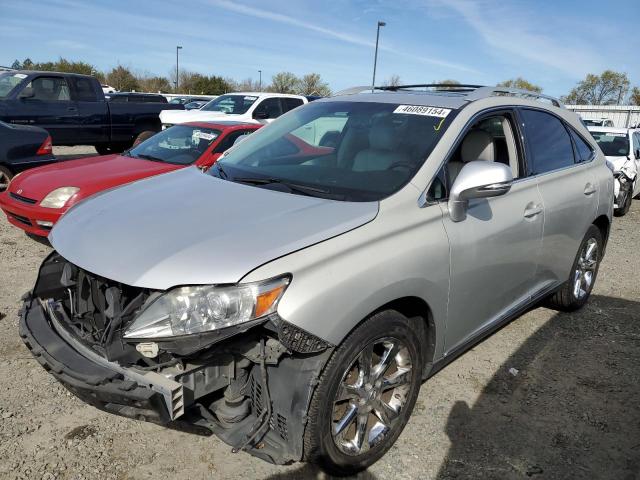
283	82
392	81
312	84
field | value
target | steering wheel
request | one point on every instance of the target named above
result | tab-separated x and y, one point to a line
401	164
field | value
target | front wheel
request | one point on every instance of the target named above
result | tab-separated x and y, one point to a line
5	178
577	289
365	394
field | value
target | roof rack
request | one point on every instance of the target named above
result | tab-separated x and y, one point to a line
473	92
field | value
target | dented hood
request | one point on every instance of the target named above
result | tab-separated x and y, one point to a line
188	228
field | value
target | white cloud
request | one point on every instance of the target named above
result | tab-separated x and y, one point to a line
348	38
519	34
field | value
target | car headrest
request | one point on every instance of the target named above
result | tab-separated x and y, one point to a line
382	136
478	145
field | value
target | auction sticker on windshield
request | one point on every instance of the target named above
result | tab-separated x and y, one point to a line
423	110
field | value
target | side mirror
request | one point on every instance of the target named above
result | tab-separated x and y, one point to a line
479	179
261	114
26	93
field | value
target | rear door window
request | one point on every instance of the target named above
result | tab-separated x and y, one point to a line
291	103
84	90
549	143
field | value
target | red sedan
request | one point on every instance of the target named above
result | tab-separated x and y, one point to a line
36	199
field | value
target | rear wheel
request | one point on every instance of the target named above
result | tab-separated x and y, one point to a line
5	178
365	395
577	289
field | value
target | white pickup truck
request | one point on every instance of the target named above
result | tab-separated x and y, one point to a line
251	107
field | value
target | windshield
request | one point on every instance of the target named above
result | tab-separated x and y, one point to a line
231	104
8	81
612	144
180	145
341	150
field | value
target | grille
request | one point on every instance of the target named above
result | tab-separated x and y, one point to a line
21	219
277	422
20	198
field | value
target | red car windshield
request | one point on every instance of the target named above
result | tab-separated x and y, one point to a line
180	145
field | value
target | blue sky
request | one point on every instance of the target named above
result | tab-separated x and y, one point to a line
551	43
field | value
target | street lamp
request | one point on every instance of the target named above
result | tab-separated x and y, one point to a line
178	48
375	57
260	81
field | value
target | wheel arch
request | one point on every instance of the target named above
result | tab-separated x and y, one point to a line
604	225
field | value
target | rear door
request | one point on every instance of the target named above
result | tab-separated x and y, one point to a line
46	102
93	119
568	187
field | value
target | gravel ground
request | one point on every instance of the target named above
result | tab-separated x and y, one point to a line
549	396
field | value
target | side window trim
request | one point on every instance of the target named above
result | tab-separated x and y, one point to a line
576	154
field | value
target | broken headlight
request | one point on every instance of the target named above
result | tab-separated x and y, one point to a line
197	309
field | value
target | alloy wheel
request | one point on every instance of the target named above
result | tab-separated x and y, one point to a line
371	395
4	181
585	269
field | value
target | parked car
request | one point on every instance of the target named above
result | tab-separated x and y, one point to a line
72	108
253	107
36	200
604	122
185	100
293	305
195	105
133	97
22	147
108	89
621	147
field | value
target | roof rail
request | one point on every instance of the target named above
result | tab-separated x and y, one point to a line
483	92
473	92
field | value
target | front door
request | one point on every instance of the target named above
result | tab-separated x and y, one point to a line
495	251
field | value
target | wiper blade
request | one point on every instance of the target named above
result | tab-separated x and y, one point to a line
294	187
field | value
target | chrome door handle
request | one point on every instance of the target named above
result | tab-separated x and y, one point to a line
532	209
589	189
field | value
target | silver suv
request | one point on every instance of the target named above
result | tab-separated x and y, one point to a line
293	299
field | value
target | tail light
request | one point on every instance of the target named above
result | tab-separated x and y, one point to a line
46	148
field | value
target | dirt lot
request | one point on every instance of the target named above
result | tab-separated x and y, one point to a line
570	411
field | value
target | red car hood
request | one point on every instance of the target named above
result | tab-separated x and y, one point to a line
90	175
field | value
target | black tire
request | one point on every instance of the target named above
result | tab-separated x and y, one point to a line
143	136
319	444
622	211
5	177
566	299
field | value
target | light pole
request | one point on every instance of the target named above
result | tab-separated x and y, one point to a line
375	57
260	81
178	48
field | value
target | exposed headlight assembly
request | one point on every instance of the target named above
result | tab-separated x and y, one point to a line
58	197
198	309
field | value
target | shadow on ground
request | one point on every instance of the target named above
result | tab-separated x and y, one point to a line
571	411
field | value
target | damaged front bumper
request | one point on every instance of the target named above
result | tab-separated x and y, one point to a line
251	389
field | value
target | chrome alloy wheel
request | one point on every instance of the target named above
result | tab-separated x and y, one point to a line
371	395
585	269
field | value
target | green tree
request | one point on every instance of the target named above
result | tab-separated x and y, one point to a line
634	98
608	88
312	84
283	82
520	83
198	84
61	65
16	65
122	79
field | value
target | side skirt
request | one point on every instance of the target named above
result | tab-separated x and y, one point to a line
507	318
